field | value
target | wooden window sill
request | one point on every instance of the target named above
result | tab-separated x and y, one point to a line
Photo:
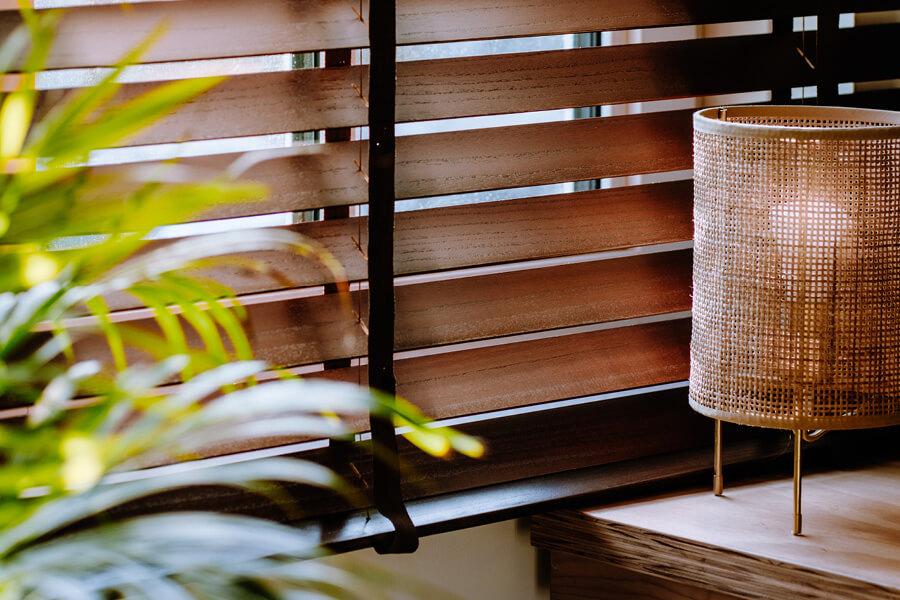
693	545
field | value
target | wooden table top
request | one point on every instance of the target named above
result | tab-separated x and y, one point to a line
741	543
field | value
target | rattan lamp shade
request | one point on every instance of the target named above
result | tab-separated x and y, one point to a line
796	301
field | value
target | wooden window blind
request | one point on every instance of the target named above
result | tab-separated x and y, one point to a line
554	326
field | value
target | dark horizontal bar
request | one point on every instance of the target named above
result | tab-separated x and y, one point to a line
753	457
490	504
531	443
747	450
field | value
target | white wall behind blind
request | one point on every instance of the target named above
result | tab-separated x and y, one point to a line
491	562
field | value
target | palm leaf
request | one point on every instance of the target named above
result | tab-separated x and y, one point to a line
224	316
60	391
64	466
66	510
73	113
190	252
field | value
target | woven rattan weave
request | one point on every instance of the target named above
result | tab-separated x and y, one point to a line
797	267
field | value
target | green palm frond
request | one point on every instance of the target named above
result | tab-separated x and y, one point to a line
72	238
202	556
68	509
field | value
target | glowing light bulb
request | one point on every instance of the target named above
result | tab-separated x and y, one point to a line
814	239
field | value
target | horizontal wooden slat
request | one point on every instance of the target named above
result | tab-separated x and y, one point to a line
287	331
614	430
465	161
300	178
196	29
99	35
282	330
483	85
501	304
545	370
481	234
524	155
533	81
531	372
281	270
263	103
542	227
421	21
592	76
311	99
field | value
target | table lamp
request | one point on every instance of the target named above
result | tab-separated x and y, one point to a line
796	300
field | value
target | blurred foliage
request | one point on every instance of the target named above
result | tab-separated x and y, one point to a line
68	456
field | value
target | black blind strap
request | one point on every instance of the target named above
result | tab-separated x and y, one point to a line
388	494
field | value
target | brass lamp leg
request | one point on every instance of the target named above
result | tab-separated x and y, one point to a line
798	520
717	461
